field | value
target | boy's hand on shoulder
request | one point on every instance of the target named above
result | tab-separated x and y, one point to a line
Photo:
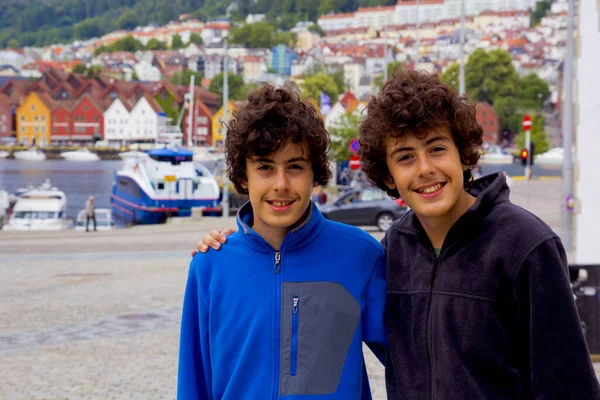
212	240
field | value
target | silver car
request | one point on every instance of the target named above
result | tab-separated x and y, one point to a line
365	207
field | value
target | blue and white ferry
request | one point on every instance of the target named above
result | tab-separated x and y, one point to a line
160	183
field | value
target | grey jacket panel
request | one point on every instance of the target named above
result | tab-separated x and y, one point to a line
327	317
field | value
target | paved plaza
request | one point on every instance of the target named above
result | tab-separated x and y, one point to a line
96	315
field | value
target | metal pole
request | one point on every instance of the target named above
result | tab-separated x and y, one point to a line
528	160
461	88
385	64
225	202
567	129
191	114
418	40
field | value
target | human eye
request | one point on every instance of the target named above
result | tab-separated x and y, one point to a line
437	149
264	167
403	158
296	166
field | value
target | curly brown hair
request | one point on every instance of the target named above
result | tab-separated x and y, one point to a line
416	101
269	119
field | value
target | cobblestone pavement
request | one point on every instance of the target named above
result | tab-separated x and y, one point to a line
96	316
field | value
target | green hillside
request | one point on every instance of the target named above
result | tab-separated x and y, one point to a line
42	22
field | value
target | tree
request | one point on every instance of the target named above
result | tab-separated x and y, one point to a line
288	38
101	49
14	44
93	71
342	133
391	67
128	20
128	43
234	82
538	136
196	39
338	78
79	69
176	42
541	9
256	35
490	75
314	85
184	77
534	92
155	44
509	114
316	29
451	76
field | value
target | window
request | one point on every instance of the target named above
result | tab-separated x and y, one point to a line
68	129
43	118
43	129
95	119
36	129
22	118
67	118
54	129
33	107
54	118
372	195
22	129
35	118
85	107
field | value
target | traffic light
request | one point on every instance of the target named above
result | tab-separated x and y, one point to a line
524	154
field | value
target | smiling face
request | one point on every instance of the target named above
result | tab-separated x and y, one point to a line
280	188
427	172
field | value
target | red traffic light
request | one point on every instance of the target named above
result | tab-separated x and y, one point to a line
524	154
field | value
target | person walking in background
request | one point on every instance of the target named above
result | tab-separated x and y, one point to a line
90	213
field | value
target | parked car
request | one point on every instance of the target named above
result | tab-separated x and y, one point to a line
555	156
496	155
365	207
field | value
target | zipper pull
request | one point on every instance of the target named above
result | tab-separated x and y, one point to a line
295	306
277	261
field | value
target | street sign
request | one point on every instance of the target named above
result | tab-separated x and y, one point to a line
526	123
354	146
170	178
354	162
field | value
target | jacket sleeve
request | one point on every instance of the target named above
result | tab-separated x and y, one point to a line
194	371
559	364
374	334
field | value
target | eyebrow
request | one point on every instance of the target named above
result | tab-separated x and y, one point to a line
430	141
269	161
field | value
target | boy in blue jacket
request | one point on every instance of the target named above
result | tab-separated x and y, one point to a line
479	304
284	308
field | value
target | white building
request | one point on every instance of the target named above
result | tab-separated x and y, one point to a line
146	117
428	10
376	17
353	72
474	7
334	22
118	126
147	72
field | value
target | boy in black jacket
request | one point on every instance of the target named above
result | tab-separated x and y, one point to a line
479	304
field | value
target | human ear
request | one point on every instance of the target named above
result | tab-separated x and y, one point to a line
389	182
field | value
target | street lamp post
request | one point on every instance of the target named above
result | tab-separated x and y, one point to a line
225	201
418	39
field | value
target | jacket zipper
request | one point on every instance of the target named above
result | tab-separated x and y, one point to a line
294	355
277	261
276	349
428	327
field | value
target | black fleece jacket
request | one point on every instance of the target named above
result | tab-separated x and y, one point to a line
492	318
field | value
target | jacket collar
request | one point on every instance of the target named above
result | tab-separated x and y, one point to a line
298	237
489	191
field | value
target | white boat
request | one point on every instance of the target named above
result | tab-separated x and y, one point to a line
133	154
553	157
3	154
104	221
31	154
163	182
208	154
82	154
39	209
4	204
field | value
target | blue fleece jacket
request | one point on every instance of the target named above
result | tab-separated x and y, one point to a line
265	324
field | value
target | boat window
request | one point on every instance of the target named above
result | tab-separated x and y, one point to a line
160	186
175	160
127	187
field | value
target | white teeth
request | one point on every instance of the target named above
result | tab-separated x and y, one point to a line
431	189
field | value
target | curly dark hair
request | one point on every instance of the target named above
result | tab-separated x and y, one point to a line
269	119
414	102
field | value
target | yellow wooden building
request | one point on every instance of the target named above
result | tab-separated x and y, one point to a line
34	119
217	124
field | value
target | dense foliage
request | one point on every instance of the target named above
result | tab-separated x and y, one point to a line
43	22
